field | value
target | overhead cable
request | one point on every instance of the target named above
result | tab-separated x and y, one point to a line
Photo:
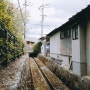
21	12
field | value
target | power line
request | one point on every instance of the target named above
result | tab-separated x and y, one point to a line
20	11
21	16
24	21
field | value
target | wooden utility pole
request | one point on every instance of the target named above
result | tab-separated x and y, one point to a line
25	20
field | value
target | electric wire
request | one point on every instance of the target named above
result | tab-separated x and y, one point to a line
21	12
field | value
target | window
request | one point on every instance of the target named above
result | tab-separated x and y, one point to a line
75	33
65	34
62	34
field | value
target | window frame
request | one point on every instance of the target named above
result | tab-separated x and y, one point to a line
65	34
75	33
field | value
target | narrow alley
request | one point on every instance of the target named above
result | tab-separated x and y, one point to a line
39	73
29	74
44	45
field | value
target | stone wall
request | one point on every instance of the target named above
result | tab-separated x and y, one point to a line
16	76
19	82
74	82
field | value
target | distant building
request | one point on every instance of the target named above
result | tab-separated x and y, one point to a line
30	44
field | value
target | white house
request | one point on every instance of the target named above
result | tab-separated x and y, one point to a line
71	43
61	45
81	42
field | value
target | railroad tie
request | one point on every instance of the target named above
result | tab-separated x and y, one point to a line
39	81
53	80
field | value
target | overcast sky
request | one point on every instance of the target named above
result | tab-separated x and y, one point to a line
56	13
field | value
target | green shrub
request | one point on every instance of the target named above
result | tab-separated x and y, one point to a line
37	49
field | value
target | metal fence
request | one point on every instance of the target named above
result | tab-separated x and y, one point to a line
10	47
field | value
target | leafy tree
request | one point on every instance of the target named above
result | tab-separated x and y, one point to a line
37	49
6	17
10	18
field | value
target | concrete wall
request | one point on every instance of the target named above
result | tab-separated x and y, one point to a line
55	46
73	81
88	47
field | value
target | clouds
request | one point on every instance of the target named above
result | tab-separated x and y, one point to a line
57	13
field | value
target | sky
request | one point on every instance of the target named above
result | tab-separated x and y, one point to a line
56	12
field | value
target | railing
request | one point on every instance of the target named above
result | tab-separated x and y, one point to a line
10	47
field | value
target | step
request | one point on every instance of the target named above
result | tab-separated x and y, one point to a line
39	81
53	80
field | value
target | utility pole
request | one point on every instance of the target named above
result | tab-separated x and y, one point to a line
42	7
25	20
42	20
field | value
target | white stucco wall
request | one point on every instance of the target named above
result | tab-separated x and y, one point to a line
79	46
55	46
76	54
79	52
76	49
88	47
